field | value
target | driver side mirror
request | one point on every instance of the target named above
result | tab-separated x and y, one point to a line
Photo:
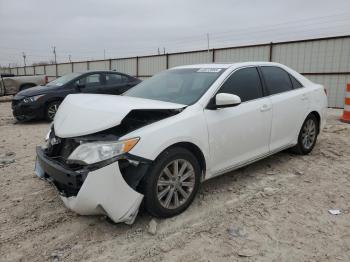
225	100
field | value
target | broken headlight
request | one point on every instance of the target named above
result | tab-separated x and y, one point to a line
93	152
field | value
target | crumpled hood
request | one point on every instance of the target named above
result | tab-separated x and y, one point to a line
83	114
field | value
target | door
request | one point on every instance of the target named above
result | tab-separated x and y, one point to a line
289	106
241	133
115	84
91	83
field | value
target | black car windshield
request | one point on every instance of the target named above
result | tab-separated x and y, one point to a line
63	79
182	86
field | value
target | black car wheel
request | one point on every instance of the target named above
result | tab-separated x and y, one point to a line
172	184
51	110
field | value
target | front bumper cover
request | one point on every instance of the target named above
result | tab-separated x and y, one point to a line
29	111
104	191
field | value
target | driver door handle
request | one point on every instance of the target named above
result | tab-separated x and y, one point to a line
265	108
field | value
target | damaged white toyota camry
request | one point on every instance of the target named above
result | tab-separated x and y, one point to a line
157	142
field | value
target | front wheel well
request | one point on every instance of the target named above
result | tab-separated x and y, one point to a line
48	102
196	151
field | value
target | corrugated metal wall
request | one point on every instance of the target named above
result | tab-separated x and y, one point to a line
30	70
40	70
99	65
80	67
190	58
149	66
63	69
325	61
127	66
315	56
13	71
258	53
21	71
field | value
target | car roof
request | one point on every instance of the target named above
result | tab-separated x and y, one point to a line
99	71
229	65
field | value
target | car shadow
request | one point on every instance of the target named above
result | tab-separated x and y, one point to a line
234	181
30	122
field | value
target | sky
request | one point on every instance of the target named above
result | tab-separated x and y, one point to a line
97	29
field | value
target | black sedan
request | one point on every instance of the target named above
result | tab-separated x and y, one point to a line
42	102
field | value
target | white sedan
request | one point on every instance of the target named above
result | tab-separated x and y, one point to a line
162	138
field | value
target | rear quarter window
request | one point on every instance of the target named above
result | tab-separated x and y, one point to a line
295	82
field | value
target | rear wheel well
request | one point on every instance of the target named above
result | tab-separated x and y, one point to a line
318	117
195	150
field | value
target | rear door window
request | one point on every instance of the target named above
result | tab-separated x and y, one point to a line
244	83
115	79
277	80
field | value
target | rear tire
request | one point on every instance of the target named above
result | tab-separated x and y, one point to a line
51	110
172	184
307	136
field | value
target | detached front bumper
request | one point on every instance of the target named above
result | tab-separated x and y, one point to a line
103	191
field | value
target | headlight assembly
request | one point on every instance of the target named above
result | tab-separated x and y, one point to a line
32	99
94	152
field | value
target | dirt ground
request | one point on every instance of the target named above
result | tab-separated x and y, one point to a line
273	210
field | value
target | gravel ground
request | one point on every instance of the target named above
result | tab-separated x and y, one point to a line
273	210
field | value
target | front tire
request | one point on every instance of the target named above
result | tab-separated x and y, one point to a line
51	110
172	183
307	136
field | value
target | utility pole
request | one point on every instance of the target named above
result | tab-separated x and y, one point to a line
208	41
208	46
54	52
158	51
164	50
24	58
70	58
104	54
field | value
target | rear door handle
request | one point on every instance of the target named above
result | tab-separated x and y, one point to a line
304	97
265	108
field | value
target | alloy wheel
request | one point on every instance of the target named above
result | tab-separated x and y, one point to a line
308	134
175	184
51	111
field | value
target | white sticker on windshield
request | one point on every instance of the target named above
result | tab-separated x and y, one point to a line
209	70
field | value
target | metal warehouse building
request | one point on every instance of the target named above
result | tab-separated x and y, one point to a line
323	60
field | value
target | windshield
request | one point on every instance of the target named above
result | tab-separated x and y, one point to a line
63	79
182	86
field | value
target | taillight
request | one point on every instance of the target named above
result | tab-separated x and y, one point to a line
46	79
